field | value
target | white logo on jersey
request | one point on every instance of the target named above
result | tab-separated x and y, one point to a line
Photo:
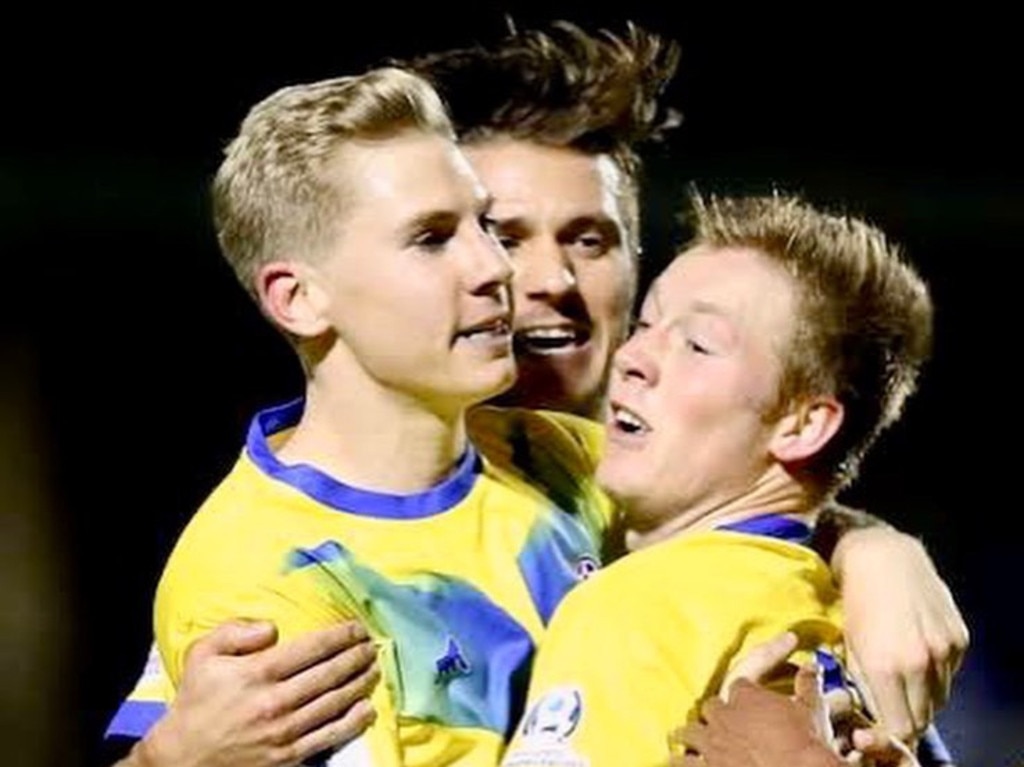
548	725
555	716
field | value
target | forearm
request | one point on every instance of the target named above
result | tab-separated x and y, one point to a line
903	629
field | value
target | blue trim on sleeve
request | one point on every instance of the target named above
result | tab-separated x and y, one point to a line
833	676
330	492
134	718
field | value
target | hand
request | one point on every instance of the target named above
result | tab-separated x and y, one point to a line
245	701
756	727
751	726
762	661
905	635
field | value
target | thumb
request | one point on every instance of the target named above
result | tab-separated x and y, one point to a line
808	684
760	661
238	637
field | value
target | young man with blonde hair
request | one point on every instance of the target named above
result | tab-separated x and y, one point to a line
348	212
767	359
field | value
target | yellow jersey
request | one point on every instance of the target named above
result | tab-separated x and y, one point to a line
456	583
632	652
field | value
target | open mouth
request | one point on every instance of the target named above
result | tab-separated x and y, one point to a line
496	329
626	421
541	341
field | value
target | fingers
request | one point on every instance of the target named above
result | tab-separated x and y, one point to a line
942	681
947	639
333	718
920	690
909	651
711	707
350	674
693	736
887	700
841	703
960	641
870	739
879	747
302	652
925	675
237	637
334	703
761	660
808	686
904	693
337	732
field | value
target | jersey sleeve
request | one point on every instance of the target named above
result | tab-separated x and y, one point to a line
146	703
303	593
219	571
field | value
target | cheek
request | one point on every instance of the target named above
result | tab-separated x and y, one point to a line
760	391
607	286
698	406
413	306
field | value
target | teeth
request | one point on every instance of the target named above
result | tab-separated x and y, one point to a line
489	331
549	333
629	422
548	339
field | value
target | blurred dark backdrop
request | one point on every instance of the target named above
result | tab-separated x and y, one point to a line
132	362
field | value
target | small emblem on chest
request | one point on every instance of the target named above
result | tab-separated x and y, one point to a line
452	664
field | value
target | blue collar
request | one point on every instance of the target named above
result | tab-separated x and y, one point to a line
773	526
342	497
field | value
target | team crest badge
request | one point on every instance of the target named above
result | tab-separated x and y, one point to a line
546	730
586	566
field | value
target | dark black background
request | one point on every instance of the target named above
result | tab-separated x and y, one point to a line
132	361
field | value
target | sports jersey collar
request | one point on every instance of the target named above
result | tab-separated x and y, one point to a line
342	497
773	526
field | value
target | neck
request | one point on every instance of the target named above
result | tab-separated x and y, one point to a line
372	437
774	492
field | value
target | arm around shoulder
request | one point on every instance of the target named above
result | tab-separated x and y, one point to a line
906	634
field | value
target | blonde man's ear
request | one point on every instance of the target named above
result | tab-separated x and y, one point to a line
804	432
290	296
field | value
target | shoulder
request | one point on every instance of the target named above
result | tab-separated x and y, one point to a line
500	431
554	453
246	505
238	535
761	562
699	572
